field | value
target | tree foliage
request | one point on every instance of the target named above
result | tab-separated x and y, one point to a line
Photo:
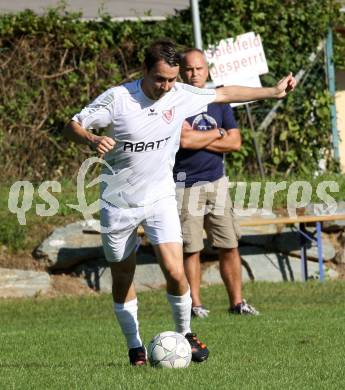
52	65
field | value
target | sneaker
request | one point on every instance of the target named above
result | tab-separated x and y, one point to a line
199	311
199	351
137	356
244	308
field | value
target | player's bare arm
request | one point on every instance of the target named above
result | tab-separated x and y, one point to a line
231	142
192	139
75	132
234	93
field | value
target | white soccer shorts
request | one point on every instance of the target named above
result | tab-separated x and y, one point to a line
160	221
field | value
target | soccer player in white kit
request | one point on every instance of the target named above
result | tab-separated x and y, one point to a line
143	120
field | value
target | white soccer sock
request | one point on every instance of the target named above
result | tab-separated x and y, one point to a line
181	309
127	316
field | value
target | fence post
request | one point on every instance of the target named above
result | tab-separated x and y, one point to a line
331	88
194	4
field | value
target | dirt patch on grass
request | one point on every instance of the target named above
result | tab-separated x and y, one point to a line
20	260
65	285
37	232
62	285
340	268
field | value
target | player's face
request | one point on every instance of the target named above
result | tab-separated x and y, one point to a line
159	79
194	70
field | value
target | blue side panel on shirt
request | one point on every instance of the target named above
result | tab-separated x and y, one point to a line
203	165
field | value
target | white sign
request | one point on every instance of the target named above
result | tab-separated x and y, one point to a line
236	61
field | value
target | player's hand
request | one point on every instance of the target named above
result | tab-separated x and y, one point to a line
285	85
102	144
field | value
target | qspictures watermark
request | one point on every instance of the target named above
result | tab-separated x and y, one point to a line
117	187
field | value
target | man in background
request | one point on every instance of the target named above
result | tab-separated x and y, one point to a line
200	165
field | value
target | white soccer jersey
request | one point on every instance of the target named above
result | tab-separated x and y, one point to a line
147	135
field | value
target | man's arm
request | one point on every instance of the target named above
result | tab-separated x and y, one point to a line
231	142
192	139
237	94
76	133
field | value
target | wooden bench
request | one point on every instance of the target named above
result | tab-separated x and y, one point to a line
300	220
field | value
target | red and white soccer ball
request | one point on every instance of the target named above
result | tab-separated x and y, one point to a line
169	350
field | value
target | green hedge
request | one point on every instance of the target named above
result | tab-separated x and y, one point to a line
52	65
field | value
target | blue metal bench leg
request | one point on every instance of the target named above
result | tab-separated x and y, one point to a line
319	249
304	265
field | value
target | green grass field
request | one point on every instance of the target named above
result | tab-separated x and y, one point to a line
74	343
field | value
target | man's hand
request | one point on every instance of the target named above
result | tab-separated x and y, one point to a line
102	144
186	126
193	139
285	85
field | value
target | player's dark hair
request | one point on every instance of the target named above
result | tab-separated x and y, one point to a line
161	50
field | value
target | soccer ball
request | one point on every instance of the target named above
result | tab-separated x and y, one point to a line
169	350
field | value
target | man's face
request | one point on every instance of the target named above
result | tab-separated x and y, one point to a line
194	70
159	79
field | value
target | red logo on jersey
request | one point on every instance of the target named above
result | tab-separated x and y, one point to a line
168	115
